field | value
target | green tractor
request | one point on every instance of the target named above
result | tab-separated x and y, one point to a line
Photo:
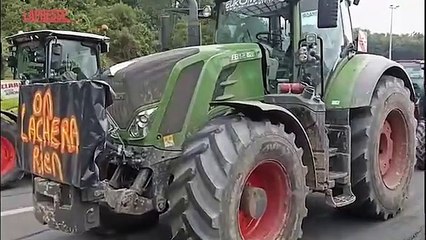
30	60
225	141
415	69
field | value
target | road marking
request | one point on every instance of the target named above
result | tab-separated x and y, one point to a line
16	211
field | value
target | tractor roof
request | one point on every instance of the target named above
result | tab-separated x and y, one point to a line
26	36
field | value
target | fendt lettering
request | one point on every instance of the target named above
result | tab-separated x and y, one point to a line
233	5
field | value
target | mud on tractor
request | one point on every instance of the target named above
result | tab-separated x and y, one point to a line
33	56
225	141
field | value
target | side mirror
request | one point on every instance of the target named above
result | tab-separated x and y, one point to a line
104	47
12	62
57	49
328	12
56	58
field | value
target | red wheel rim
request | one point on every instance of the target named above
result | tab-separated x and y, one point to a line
8	156
393	142
272	177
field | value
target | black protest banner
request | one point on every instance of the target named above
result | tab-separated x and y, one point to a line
63	128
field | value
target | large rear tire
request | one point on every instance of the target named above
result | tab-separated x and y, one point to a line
383	145
10	172
229	156
421	145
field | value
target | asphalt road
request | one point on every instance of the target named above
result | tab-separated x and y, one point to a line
322	223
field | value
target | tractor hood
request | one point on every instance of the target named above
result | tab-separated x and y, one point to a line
141	81
140	84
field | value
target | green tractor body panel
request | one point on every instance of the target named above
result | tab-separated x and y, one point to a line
180	84
353	82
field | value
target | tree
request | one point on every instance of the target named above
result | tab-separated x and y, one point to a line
130	36
134	27
130	32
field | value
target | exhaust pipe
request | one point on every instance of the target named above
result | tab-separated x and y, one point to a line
194	30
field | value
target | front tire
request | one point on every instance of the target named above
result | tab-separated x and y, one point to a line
10	172
383	145
219	163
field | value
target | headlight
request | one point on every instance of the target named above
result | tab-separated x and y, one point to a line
139	126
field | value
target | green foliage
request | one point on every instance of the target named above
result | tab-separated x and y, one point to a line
129	29
134	27
180	32
130	36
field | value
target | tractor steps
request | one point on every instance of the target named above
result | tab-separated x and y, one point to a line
337	175
340	192
332	152
339	200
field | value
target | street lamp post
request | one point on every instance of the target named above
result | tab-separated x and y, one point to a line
392	7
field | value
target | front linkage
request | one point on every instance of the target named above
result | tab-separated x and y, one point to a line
75	210
147	192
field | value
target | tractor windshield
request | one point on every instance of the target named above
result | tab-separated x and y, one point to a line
254	21
74	60
69	60
263	21
30	61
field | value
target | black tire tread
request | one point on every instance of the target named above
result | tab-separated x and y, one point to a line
367	204
200	177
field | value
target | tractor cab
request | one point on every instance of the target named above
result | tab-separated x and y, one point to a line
296	38
268	24
56	55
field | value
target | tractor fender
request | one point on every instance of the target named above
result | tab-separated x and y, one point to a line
254	109
353	85
12	116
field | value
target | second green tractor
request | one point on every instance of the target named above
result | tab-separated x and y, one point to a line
225	141
415	69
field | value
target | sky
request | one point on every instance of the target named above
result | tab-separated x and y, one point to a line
375	15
